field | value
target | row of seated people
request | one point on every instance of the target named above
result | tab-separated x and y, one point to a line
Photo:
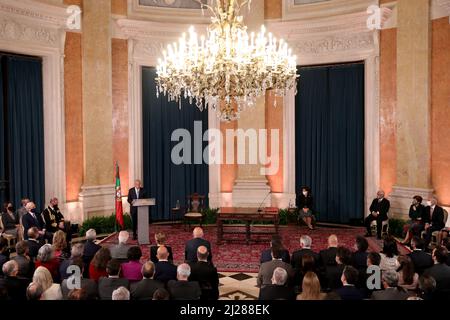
337	272
48	274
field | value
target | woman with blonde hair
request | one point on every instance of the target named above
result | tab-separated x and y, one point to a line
51	291
311	288
59	244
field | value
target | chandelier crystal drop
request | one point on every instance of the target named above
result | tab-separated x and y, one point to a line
229	69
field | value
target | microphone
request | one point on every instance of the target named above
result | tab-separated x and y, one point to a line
262	202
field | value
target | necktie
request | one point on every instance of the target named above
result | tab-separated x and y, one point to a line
431	213
137	193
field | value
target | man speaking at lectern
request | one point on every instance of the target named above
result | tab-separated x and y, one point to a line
135	193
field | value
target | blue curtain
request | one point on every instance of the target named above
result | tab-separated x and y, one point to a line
3	181
164	180
24	109
330	140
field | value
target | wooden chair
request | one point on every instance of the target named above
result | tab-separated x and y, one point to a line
194	209
384	228
12	240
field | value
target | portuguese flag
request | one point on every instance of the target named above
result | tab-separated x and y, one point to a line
119	208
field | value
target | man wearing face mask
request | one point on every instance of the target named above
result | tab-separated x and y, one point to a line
53	218
378	212
433	218
33	219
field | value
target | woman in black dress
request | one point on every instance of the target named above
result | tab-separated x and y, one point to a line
10	219
305	204
414	226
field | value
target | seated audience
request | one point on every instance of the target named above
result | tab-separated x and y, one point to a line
165	270
161	294
4	252
333	274
88	286
34	292
305	248
10	220
433	218
182	289
15	287
26	265
392	291
308	265
206	275
427	287
46	258
278	290
440	271
373	259
160	239
421	259
415	225
60	245
266	255
90	249
311	288
97	268
77	294
192	245
327	257
408	279
145	289
120	250
51	291
131	270
359	257
446	244
34	244
107	285
349	279
389	255
76	253
266	269
121	293
34	219
379	209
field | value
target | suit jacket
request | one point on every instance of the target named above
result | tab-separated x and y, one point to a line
390	294
266	272
144	289
380	206
87	284
133	196
90	249
28	222
10	222
350	293
297	256
266	255
333	276
274	292
52	218
206	275
119	251
441	273
63	269
154	251
33	248
184	290
106	286
438	217
165	271
327	257
359	260
421	260
3	258
16	287
190	251
26	266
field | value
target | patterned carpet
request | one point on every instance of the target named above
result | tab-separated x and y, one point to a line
236	256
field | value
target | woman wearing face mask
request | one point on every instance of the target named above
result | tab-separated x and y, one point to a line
305	204
10	219
414	226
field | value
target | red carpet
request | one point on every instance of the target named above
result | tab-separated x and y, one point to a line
239	257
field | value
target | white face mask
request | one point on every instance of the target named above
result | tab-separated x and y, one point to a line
305	193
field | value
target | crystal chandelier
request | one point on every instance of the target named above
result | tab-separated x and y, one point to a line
229	69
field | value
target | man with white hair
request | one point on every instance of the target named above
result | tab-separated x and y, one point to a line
32	219
134	194
378	212
119	251
121	293
305	249
193	244
391	289
90	249
267	268
184	289
76	253
278	290
16	287
327	257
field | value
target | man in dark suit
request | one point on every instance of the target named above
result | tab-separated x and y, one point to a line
184	289
144	289
106	286
33	242
278	290
165	270
88	285
349	291
305	248
421	259
267	268
15	286
378	212
333	274
190	251
90	249
134	194
433	218
26	265
391	289
327	257
440	271
206	275
266	255
33	219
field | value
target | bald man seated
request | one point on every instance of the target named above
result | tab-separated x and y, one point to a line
165	270
206	275
193	244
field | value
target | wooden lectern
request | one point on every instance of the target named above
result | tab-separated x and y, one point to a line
142	219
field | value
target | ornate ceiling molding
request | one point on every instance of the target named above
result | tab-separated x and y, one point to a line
37	12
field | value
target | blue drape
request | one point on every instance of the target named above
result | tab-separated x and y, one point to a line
3	185
24	100
164	180
330	139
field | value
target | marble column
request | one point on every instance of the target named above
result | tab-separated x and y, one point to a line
251	188
413	109
97	191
